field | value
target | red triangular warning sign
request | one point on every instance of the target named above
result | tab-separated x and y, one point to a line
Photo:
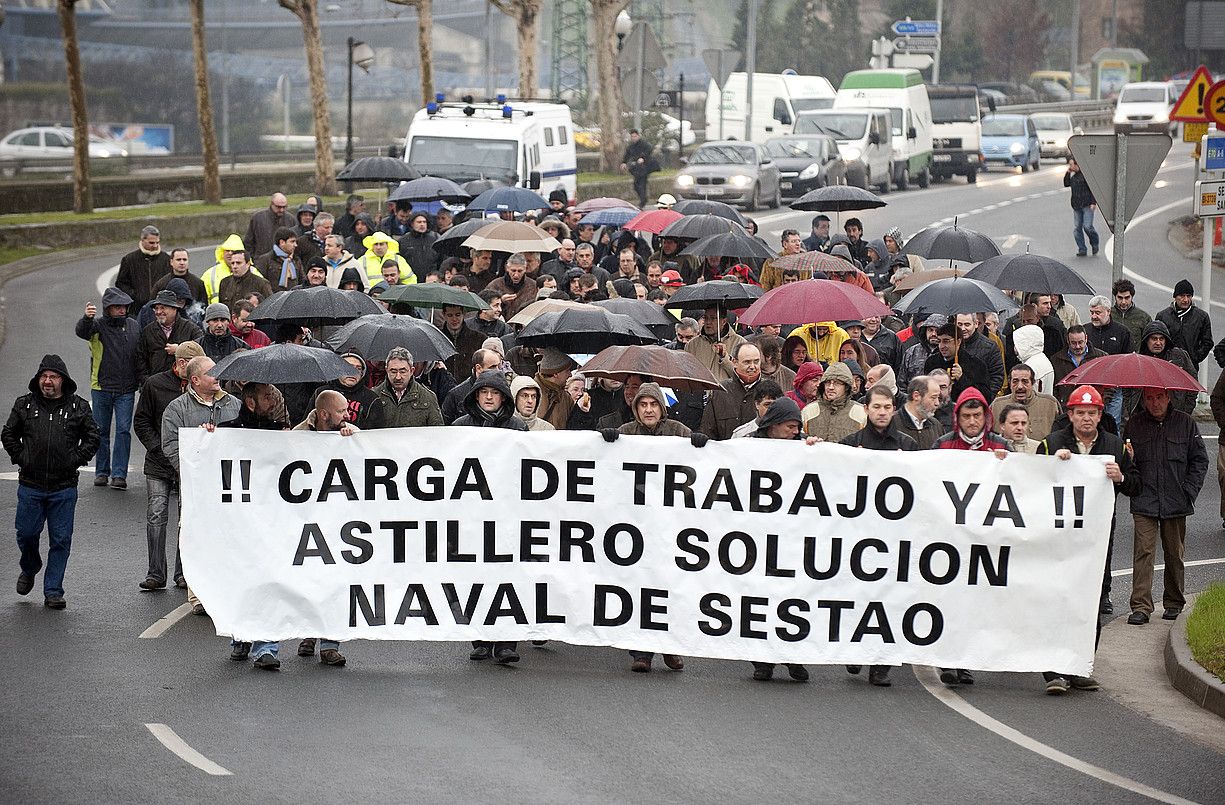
1189	108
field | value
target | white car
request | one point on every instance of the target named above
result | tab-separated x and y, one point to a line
1054	129
1145	106
50	142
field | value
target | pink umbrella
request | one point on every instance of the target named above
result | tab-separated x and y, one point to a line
813	300
602	203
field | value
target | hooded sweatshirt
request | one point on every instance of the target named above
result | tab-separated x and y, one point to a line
824	349
533	422
1028	341
781	410
833	421
112	346
1181	400
878	269
504	417
806	372
49	439
665	426
985	441
360	396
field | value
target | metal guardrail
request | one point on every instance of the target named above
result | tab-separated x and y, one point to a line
1086	114
119	166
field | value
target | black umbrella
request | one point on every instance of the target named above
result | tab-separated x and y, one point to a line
1031	273
434	295
283	363
701	206
430	188
377	169
579	330
509	199
373	337
364	304
321	306
952	296
730	244
449	242
716	293
837	198
648	314
951	243
478	186
700	226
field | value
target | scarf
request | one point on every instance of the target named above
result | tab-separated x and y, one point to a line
1181	313
148	253
975	442
288	270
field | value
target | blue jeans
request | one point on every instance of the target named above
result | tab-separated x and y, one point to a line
1084	226
261	647
56	509
106	404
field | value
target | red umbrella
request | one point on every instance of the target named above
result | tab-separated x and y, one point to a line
1131	371
813	300
654	221
602	203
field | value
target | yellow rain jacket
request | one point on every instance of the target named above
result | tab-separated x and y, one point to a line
824	349
213	277
372	264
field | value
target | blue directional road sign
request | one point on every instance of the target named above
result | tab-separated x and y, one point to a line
1214	154
916	28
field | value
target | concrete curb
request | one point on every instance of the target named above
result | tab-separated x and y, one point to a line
1188	676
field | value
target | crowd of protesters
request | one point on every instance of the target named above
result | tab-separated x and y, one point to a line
964	382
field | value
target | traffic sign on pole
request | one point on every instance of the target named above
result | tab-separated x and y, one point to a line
1193	132
917	44
1210	197
1212	153
1189	108
721	62
1214	103
916	28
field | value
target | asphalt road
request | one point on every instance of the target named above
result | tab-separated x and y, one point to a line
418	722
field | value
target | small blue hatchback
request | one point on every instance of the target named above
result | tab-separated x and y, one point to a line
1011	140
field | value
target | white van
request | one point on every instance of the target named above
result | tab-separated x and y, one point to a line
864	138
1145	106
900	91
526	144
778	98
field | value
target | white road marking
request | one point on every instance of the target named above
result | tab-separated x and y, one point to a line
8	476
1192	563
1012	240
163	624
170	739
928	678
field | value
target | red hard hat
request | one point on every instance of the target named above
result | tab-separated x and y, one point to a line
1085	395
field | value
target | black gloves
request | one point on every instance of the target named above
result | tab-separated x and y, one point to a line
698	439
610	434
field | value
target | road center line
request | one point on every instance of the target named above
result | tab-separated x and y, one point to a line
1194	563
170	739
163	624
927	677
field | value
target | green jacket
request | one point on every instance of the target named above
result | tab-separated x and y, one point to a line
417	408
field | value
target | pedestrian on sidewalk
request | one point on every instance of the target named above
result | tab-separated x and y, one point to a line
112	352
640	163
49	433
1083	205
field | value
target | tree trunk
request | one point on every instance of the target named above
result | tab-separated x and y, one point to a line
527	30
82	192
204	109
307	11
425	45
604	17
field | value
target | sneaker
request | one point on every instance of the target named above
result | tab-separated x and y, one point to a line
879	677
504	656
763	674
152	584
180	582
480	653
1171	613
199	609
674	661
798	673
948	676
101	480
854	669
1137	618
1095	251
330	656
307	647
24	584
1080	254
54	602
119	483
1057	686
641	666
539	643
240	651
1106	608
266	662
1085	683
964	677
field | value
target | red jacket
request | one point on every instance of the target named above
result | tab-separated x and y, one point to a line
953	441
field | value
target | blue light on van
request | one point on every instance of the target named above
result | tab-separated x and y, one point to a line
440	97
431	108
501	98
507	111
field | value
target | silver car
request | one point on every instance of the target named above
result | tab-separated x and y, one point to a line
731	171
1054	129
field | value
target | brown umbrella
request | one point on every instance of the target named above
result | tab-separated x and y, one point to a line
916	278
673	368
542	306
511	236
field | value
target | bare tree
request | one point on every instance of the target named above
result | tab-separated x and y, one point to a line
204	109
425	43
526	14
604	18
307	12
82	192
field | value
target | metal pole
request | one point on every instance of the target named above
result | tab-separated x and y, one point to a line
1074	48
939	42
680	108
286	89
1205	274
641	88
1114	23
488	66
720	96
349	107
1120	203
750	67
225	84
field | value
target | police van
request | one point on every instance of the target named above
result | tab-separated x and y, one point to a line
527	144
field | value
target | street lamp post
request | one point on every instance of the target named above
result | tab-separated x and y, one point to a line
362	55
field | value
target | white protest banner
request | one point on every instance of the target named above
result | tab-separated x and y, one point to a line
751	549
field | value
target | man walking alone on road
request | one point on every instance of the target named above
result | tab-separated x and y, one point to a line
1083	205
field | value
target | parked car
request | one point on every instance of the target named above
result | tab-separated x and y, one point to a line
1011	140
1054	129
1014	93
51	142
732	171
806	162
1145	106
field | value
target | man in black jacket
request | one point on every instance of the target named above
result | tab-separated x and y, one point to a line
218	341
161	478
964	368
1189	326
1085	437
155	350
141	269
112	351
640	163
417	245
1083	205
49	433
